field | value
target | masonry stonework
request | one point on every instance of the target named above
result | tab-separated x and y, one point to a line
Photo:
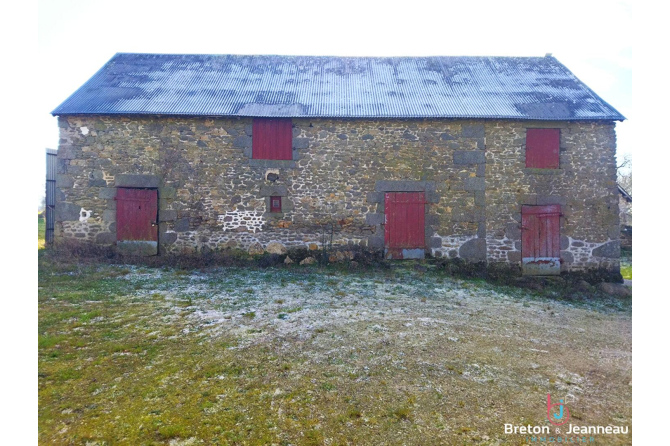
213	196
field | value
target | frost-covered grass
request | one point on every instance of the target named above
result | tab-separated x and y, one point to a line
138	355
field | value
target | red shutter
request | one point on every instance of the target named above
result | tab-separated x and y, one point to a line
540	239
272	139
275	204
404	229
542	148
136	213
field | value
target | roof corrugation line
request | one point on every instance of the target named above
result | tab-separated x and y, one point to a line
537	88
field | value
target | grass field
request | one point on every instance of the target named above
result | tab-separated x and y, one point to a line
310	356
627	263
41	227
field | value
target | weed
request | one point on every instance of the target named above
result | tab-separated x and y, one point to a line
402	413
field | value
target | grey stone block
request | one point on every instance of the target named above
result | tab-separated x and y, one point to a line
167	192
432	197
367	137
97	183
474	184
374	219
512	231
61	165
273	191
107	193
567	257
108	215
67	153
64	181
610	250
168	238
143	180
375	197
432	219
376	242
300	143
105	238
614	232
514	256
67	212
469	157
242	142
481	229
565	242
473	131
473	250
168	215
480	198
435	242
404	186
481	170
181	225
248	129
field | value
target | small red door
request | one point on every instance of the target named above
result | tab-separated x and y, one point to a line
136	215
404	230
540	240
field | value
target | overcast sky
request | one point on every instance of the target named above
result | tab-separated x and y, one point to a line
592	38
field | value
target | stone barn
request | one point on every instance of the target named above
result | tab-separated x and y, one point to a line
503	160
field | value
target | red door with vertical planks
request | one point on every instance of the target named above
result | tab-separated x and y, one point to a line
404	230
541	240
136	214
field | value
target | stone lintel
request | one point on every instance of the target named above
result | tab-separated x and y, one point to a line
141	180
404	186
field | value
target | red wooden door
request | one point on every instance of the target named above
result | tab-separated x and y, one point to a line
540	240
404	230
136	215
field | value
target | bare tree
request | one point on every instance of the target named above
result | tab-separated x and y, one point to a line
625	181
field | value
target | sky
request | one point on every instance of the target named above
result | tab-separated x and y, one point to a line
76	38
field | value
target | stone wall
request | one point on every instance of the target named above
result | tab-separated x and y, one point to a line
213	196
584	185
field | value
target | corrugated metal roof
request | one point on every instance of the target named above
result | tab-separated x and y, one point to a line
347	87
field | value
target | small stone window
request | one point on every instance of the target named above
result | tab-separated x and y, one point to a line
275	204
542	148
272	139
